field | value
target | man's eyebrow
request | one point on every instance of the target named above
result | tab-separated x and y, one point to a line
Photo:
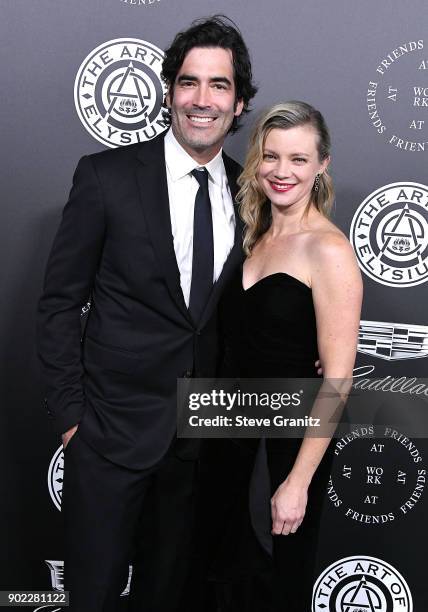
220	79
186	77
215	79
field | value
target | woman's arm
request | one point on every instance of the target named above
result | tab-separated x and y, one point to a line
337	295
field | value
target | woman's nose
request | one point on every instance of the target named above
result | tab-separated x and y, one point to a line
282	169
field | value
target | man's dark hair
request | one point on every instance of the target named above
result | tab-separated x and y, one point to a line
216	31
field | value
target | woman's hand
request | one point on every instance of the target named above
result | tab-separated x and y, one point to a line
66	437
288	507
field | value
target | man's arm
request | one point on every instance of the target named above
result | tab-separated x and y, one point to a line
69	278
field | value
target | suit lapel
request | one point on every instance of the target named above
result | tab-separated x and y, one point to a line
153	186
152	182
232	171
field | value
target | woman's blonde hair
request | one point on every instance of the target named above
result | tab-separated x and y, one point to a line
255	209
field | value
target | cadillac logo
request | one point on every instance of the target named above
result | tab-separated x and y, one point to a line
56	569
393	341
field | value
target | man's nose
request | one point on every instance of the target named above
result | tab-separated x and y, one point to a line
202	97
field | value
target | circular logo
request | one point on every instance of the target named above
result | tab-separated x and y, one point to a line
367	485
389	233
397	97
139	2
55	477
118	92
357	584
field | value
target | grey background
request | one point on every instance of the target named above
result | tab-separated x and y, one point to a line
321	52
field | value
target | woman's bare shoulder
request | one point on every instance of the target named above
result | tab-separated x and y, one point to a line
331	254
326	240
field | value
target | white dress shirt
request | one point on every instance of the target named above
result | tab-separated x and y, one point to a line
182	189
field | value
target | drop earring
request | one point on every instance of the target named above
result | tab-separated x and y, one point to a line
317	182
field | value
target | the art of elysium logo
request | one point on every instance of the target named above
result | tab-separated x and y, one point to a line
393	341
118	92
55	477
361	584
389	233
397	97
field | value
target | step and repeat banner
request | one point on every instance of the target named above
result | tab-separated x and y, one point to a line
82	76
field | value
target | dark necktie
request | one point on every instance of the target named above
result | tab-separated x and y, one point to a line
203	248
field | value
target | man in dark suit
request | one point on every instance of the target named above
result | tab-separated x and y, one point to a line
150	233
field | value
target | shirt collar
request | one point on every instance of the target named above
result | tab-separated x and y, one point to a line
180	163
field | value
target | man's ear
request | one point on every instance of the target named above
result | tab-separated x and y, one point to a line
168	98
239	106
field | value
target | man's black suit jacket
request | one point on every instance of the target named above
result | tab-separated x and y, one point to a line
115	244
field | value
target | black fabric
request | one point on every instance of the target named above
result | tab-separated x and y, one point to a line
227	556
203	248
270	329
294	556
269	332
114	517
126	479
115	242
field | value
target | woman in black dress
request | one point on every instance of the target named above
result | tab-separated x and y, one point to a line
297	298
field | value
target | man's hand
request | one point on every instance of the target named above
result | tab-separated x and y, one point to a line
66	437
318	366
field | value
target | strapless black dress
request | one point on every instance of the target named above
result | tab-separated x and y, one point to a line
269	331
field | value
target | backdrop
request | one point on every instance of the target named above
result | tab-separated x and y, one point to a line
81	76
